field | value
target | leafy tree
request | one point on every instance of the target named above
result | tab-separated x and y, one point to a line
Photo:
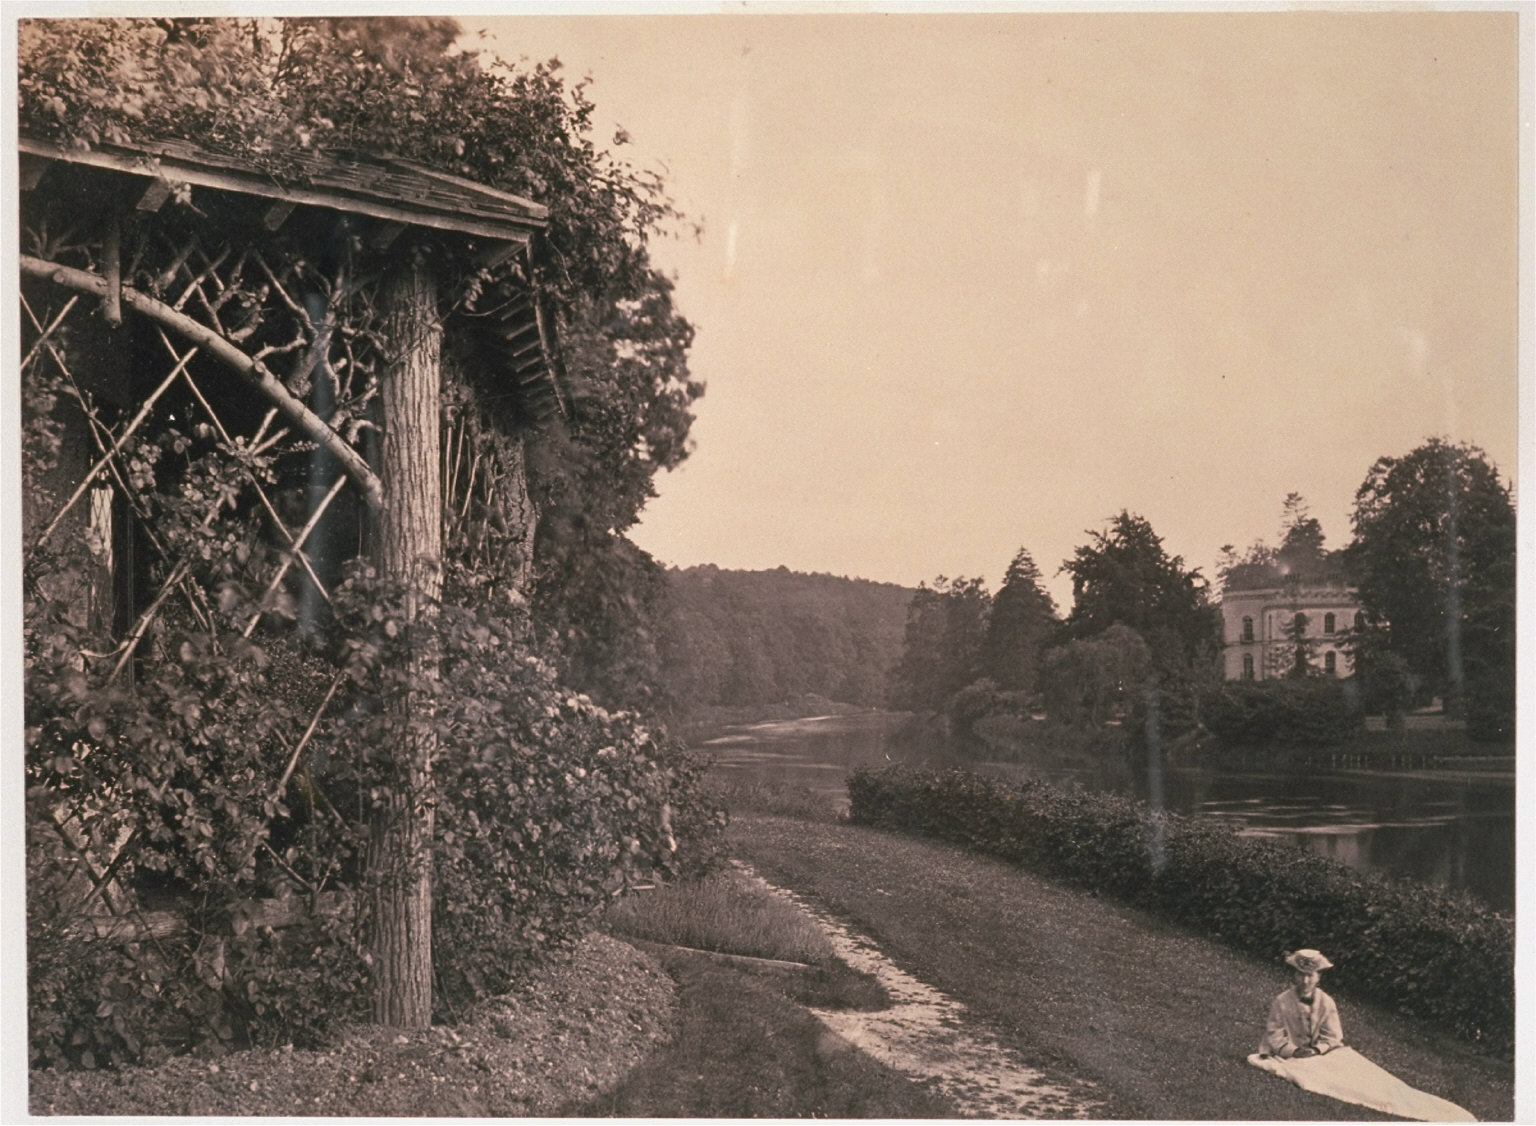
597	598
1021	625
942	646
1124	576
1301	558
1301	539
1296	659
1434	559
1094	679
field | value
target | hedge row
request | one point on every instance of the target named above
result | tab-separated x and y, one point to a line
1313	711
1423	951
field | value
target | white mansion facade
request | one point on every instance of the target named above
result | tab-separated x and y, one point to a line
1260	629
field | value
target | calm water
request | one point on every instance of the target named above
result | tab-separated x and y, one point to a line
1454	828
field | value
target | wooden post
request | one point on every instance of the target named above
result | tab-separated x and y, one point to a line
409	547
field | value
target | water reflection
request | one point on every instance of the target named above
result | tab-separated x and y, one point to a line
1453	828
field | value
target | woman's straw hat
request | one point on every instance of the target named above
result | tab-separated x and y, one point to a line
1308	961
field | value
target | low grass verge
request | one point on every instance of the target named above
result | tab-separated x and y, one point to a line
1160	1019
744	1050
744	1046
722	914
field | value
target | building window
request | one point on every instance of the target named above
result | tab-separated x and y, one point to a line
1359	619
1299	624
1328	623
1247	666
1331	663
1247	629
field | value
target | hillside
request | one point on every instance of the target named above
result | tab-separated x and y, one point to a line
741	638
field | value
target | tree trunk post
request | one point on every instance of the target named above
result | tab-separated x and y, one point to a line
408	547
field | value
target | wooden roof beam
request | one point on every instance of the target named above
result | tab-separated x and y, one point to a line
347	198
496	253
384	234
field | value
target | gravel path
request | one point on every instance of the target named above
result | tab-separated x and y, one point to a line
933	1038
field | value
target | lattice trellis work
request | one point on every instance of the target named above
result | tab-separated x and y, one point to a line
283	298
202	399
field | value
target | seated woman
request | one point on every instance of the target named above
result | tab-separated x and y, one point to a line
1303	1020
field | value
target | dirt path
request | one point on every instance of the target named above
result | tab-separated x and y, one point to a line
934	1038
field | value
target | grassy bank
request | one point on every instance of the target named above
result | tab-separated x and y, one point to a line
1159	1019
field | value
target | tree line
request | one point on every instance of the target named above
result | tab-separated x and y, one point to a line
1432	560
745	638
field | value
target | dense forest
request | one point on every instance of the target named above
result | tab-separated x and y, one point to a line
758	637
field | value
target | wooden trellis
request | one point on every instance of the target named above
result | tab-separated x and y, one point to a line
252	302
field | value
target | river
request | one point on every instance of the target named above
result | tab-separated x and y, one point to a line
1451	828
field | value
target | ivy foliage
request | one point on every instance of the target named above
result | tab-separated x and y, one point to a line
598	600
272	92
192	775
192	768
268	90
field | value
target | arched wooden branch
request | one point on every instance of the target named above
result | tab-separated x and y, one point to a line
252	371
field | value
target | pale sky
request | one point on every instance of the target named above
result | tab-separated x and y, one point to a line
970	282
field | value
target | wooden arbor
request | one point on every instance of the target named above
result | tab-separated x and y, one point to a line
312	313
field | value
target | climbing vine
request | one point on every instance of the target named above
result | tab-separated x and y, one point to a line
206	661
231	773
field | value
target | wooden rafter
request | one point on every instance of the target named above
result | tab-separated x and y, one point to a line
392	190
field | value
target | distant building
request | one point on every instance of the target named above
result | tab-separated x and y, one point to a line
1262	627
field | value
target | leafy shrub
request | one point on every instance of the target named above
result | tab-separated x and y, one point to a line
546	806
1388	686
1489	705
1426	952
972	703
1310	711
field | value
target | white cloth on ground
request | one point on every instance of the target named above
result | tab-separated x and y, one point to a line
1346	1075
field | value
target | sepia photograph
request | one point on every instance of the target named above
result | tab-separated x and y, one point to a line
765	560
